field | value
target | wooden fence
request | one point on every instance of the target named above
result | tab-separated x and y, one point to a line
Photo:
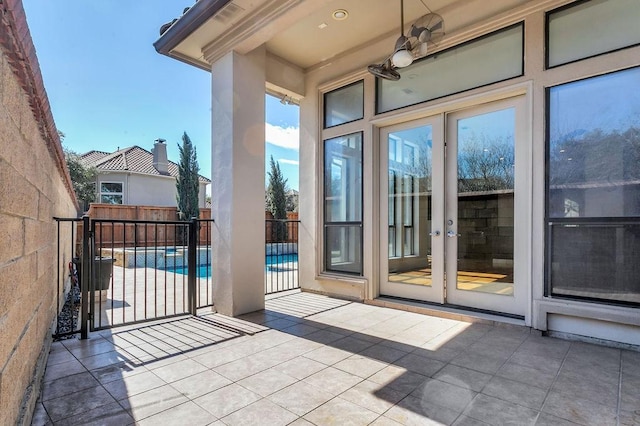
122	235
271	234
129	235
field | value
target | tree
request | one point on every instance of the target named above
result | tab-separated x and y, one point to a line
83	177
277	200
187	183
292	201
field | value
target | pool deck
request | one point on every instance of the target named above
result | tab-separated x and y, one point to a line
313	360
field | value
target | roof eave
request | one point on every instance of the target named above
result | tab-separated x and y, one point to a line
197	15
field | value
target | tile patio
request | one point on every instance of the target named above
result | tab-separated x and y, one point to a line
309	359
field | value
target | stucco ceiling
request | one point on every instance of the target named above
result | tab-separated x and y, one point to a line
306	43
294	30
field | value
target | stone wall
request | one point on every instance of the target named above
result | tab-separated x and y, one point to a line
34	187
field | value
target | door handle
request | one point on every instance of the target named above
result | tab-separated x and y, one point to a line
452	234
435	233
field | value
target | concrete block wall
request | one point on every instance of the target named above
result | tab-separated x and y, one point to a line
33	189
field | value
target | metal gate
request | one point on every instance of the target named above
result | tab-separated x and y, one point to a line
132	271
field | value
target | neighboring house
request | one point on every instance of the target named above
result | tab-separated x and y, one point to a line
35	187
528	212
135	176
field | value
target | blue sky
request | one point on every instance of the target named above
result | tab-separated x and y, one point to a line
108	87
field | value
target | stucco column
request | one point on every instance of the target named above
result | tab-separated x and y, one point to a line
237	189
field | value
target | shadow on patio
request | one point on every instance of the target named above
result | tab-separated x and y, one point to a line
310	359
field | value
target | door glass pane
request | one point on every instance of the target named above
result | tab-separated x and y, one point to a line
409	208
486	161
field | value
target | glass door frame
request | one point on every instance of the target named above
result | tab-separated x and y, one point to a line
435	292
444	254
511	305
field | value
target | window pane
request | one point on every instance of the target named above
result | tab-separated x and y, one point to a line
344	105
594	147
455	70
344	249
343	178
591	28
596	261
111	199
111	187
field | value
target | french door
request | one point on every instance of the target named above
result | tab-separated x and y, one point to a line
454	208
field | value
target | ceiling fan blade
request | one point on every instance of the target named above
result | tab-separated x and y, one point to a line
420	50
424	36
437	26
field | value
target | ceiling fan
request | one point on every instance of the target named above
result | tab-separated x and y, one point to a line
426	31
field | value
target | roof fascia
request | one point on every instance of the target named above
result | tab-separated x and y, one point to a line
197	15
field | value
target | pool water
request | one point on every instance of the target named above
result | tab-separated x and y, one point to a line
205	270
281	258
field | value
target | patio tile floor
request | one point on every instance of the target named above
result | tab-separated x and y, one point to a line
313	360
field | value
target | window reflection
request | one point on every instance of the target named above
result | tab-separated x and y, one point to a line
409	205
593	156
343	203
594	147
344	105
486	166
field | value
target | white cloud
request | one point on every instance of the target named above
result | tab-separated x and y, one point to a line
284	137
285	161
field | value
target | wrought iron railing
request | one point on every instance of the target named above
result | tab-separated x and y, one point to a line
281	255
129	271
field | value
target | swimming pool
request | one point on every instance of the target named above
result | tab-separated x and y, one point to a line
273	263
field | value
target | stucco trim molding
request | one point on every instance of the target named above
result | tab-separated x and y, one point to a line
613	314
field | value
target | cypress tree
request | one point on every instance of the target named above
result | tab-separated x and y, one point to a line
187	183
277	200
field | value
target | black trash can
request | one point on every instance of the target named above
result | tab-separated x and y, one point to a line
104	269
103	266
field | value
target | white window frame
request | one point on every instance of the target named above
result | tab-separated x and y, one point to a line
121	193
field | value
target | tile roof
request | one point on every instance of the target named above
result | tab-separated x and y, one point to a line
131	159
92	157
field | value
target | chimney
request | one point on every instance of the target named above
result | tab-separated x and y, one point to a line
160	161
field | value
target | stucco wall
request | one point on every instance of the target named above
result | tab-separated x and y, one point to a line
32	191
144	190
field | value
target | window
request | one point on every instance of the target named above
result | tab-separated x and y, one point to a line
455	70
588	28
344	105
593	188
343	204
111	193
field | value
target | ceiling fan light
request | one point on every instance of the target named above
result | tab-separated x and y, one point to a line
402	58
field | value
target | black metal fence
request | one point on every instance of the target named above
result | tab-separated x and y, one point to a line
138	270
68	288
281	255
135	271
